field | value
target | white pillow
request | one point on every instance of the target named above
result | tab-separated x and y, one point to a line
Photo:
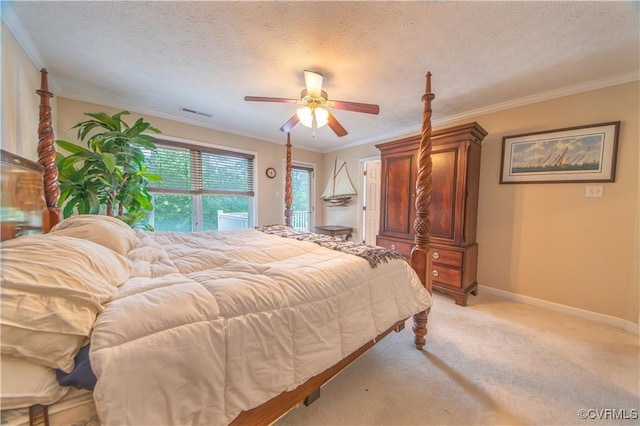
104	230
53	288
25	383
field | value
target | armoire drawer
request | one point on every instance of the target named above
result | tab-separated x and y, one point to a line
449	276
402	247
446	257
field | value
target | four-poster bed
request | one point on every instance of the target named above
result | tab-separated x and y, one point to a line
409	297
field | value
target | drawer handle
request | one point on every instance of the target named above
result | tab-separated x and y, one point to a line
435	273
393	246
435	255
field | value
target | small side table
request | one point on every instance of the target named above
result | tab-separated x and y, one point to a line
334	230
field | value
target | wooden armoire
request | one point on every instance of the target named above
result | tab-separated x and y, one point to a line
454	204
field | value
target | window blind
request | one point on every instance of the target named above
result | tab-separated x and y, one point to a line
200	170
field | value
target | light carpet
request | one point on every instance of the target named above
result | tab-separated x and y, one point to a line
494	362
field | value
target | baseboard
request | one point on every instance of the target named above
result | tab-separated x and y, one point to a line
564	309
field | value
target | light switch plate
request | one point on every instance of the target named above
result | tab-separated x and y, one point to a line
594	191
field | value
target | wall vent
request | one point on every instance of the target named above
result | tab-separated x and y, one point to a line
193	111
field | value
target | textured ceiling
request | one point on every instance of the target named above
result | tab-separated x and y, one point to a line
156	57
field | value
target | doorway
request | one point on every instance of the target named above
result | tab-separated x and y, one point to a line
302	184
370	219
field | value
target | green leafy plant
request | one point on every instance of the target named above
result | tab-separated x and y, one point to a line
109	176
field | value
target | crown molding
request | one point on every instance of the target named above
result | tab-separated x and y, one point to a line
12	22
514	103
15	26
409	131
544	96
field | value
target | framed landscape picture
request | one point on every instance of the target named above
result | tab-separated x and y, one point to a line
574	154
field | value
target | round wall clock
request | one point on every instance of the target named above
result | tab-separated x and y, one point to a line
271	172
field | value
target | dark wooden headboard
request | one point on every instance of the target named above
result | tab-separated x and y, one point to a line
23	209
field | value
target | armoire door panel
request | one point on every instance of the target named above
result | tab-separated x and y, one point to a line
443	195
455	158
398	195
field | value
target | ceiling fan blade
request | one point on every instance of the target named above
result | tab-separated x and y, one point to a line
267	99
286	127
336	127
313	83
356	107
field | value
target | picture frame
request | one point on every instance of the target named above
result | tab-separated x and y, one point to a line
573	154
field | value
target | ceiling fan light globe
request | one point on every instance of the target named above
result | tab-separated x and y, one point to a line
322	116
305	114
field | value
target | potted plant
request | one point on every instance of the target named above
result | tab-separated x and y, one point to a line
109	176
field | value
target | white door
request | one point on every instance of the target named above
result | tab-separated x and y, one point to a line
371	210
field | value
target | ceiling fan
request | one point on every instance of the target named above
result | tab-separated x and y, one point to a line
314	105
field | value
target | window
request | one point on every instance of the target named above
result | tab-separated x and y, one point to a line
302	205
202	188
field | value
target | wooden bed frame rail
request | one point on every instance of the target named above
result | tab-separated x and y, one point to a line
275	408
420	260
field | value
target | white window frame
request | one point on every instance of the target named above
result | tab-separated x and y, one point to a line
312	166
197	198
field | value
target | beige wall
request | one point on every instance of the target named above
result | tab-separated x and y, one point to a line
346	215
270	196
548	241
20	80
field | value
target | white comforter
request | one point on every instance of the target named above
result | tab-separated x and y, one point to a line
210	324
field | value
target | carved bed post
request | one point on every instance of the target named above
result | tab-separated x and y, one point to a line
420	260
288	191
47	154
